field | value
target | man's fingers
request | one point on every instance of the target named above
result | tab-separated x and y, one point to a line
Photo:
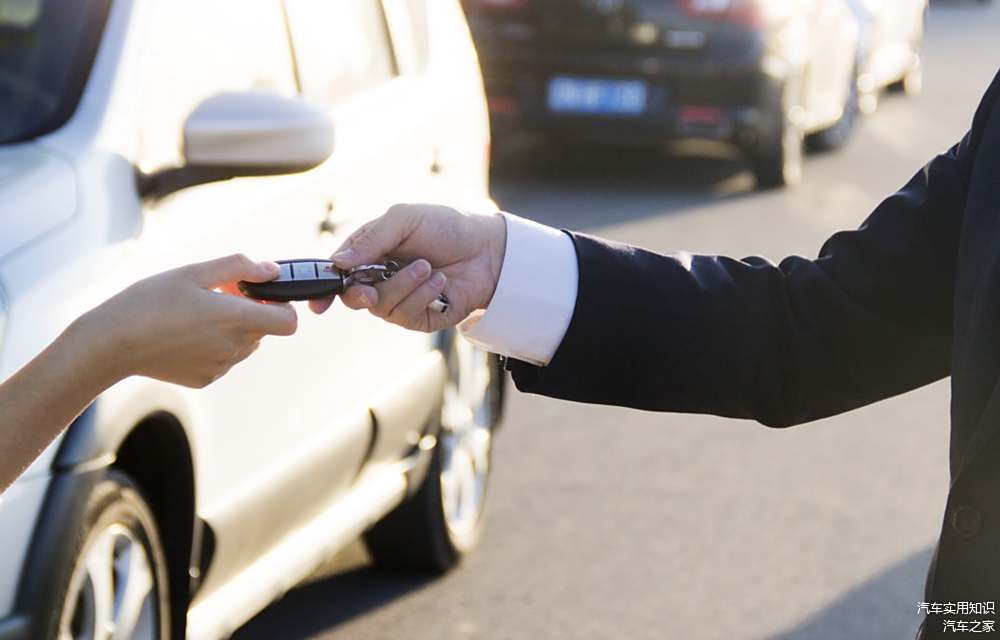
320	305
399	287
221	271
360	296
376	239
412	312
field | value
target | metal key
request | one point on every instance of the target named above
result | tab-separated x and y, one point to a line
369	274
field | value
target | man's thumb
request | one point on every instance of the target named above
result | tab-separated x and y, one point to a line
375	240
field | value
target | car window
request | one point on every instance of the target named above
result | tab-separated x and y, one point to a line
341	47
46	51
198	48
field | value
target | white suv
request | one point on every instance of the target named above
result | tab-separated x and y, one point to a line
140	135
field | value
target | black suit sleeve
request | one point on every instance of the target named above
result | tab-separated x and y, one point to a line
783	344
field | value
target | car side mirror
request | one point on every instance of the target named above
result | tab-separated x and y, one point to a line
247	133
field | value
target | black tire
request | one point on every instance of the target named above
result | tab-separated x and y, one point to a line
417	536
837	135
115	502
777	161
414	537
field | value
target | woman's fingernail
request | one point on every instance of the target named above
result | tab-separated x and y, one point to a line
421	268
343	256
365	300
438	280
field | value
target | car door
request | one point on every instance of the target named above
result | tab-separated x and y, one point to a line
897	30
830	71
446	104
347	61
287	430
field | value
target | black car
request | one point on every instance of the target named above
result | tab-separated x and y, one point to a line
763	75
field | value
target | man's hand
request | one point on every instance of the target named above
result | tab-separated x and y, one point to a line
176	327
448	251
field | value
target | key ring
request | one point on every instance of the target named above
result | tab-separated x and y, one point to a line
369	274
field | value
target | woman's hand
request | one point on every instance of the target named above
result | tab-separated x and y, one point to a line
176	327
450	252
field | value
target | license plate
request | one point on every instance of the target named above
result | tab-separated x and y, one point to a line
597	96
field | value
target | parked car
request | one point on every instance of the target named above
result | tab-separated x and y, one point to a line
890	47
138	135
756	74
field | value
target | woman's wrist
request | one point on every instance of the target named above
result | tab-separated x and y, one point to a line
88	339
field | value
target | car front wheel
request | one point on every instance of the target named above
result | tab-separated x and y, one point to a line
443	520
117	584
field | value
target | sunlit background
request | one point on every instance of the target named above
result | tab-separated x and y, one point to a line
737	127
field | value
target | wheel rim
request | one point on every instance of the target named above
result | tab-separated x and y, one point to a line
112	594
466	440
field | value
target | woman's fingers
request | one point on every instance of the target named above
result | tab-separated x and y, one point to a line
243	353
276	319
232	289
412	312
216	273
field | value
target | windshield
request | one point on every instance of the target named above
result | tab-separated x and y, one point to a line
46	50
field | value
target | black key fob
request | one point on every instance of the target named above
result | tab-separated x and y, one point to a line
299	280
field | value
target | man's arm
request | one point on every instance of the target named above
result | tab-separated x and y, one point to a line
783	344
786	343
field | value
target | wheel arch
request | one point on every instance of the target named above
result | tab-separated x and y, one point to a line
157	455
146	435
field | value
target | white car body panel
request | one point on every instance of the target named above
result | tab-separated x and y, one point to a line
75	232
19	506
37	193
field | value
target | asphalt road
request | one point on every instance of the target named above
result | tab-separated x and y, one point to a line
606	523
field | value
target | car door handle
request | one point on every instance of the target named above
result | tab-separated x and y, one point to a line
437	165
327	227
329	224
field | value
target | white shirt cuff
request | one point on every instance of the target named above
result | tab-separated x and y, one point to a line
535	297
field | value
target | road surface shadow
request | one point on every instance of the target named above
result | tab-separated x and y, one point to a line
883	607
320	607
585	187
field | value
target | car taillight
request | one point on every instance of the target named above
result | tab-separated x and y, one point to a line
745	12
495	4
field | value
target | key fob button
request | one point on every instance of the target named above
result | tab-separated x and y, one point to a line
326	271
304	270
286	273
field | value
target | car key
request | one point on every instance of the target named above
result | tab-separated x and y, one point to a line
309	279
298	280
